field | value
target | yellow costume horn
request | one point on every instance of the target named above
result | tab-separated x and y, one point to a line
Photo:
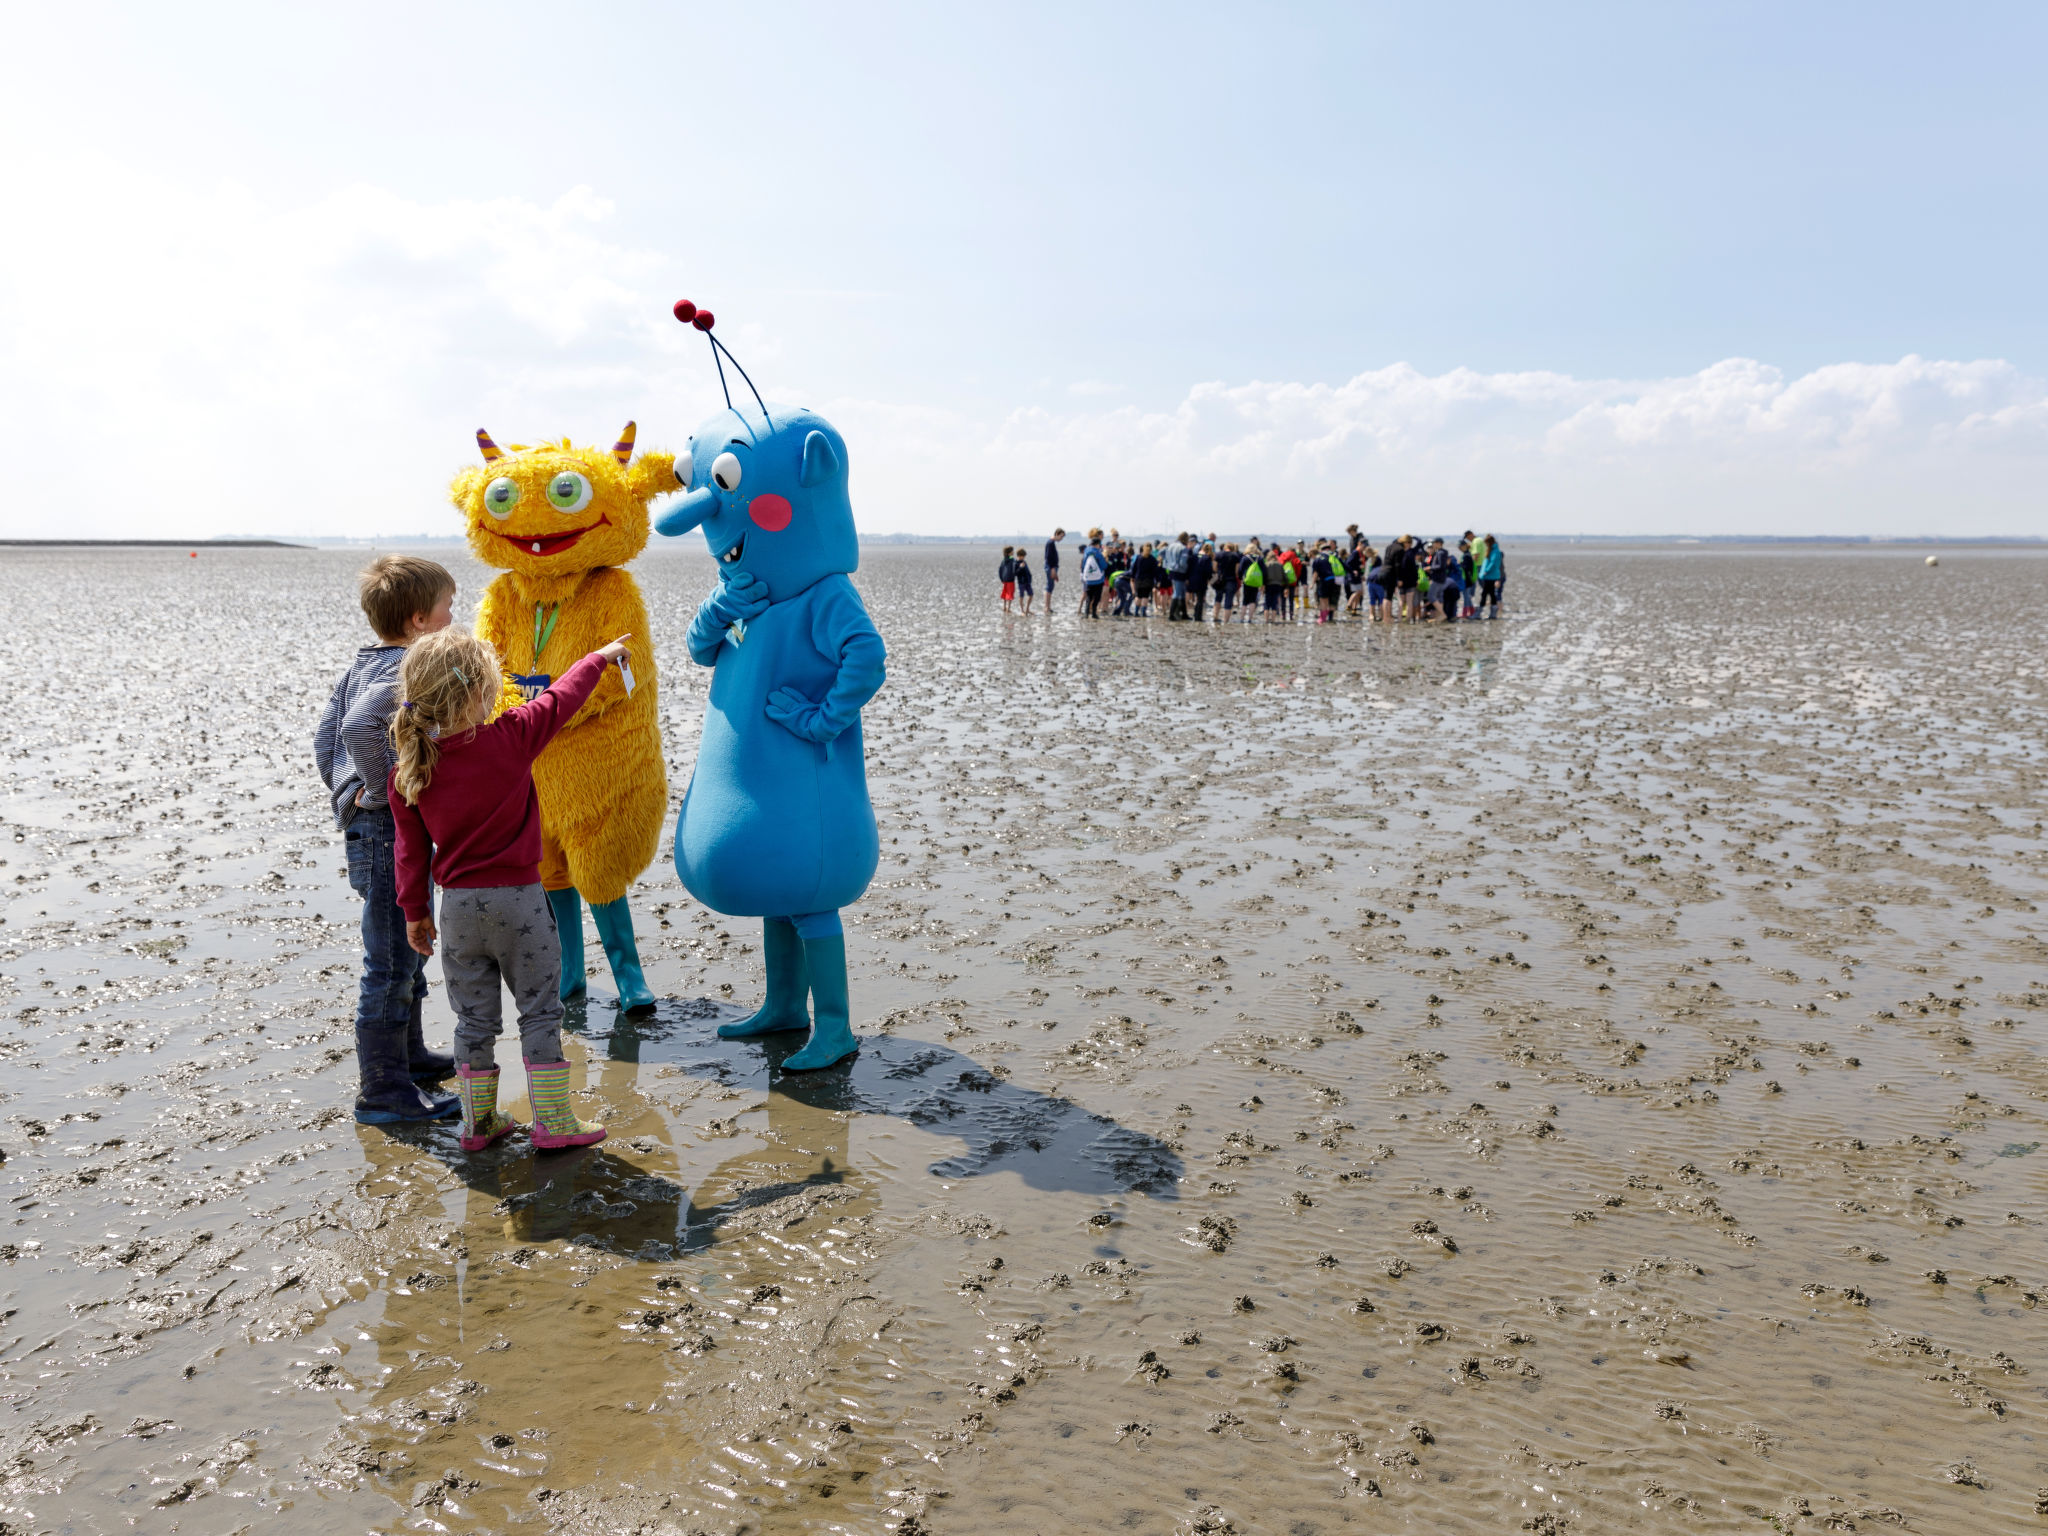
622	450
491	451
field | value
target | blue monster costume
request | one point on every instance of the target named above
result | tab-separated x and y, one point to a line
776	823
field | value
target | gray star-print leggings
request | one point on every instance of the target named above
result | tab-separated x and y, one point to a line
502	934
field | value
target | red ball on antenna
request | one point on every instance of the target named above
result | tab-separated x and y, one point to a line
703	320
685	310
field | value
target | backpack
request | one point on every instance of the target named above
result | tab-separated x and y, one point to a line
1091	567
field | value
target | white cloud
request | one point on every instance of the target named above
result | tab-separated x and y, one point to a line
183	362
316	368
1901	448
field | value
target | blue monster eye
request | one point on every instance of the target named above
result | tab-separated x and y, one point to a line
501	496
725	469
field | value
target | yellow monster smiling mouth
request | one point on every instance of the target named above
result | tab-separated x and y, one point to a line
551	543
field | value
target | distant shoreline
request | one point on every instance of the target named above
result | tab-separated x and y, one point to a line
992	540
150	544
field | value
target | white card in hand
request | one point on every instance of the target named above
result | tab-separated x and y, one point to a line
626	675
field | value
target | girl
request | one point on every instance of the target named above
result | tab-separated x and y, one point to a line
1006	573
467	816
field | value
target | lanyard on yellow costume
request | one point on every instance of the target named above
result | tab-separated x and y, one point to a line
542	636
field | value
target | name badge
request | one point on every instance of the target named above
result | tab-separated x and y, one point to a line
531	685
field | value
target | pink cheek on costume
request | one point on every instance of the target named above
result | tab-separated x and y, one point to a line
770	512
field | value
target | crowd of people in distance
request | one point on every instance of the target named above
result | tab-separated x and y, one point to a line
1411	580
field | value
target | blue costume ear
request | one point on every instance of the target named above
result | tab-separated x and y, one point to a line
820	462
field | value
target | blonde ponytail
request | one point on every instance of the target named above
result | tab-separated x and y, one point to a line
445	682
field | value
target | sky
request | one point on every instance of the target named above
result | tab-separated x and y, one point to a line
1671	269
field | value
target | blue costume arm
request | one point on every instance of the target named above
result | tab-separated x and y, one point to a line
739	598
840	628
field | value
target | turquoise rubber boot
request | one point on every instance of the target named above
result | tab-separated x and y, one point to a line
832	1035
615	927
568	910
788	979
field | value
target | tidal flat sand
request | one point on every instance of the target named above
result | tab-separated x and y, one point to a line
1581	1073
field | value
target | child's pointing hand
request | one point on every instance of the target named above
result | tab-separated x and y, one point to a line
615	650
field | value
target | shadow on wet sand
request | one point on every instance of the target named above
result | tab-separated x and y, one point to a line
1048	1142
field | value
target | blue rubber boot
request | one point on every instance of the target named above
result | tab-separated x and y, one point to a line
428	1065
783	1007
615	927
832	1033
568	909
387	1094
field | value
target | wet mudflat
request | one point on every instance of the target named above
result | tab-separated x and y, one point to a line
1579	1073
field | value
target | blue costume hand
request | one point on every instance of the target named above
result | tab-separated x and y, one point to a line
799	716
740	598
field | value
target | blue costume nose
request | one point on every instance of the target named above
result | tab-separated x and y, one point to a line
687	513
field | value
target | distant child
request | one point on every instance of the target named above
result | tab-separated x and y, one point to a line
1326	570
463	798
1024	580
1094	571
1006	573
405	599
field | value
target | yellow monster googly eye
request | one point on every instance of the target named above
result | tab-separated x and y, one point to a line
501	496
569	492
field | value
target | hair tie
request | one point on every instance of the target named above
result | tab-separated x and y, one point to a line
459	677
407	704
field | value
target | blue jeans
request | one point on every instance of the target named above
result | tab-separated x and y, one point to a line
394	975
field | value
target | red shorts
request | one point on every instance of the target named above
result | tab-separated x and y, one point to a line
1009	590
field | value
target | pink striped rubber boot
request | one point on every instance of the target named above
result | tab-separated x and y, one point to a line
554	1122
482	1123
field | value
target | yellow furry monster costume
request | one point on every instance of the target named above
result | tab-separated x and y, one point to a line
561	522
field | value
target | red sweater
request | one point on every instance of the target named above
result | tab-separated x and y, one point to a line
478	820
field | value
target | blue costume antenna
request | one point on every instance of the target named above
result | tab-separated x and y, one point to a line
703	320
721	374
717	347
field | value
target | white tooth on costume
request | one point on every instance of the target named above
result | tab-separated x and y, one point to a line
536	549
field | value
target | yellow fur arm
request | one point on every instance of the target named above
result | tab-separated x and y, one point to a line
498	601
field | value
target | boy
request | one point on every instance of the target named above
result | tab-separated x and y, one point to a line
404	597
